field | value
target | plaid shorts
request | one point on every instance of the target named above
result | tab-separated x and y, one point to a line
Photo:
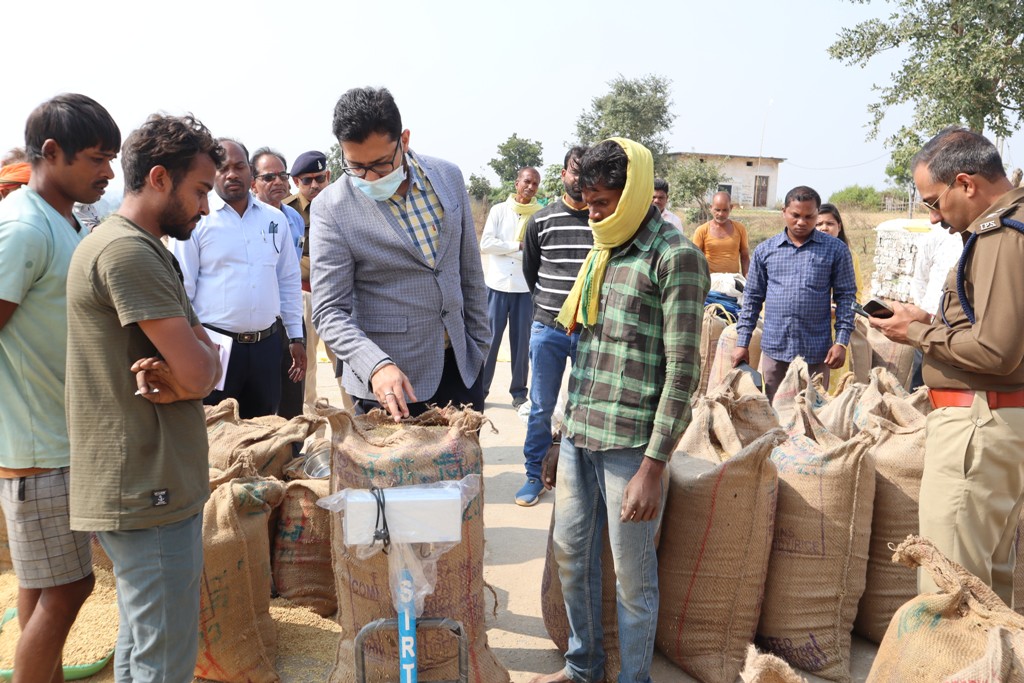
44	550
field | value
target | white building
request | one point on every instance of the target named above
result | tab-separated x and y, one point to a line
753	181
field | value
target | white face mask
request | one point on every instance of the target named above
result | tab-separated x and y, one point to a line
382	188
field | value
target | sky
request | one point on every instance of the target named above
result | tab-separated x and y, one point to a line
748	77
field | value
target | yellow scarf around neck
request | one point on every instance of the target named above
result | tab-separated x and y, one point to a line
581	306
524	211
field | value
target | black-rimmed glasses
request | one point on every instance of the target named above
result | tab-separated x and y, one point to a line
380	169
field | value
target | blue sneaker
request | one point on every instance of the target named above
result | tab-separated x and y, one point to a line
530	493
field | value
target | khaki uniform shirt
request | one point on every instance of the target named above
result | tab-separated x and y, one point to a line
989	355
299	203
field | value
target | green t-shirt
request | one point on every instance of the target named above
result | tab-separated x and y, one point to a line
36	244
134	464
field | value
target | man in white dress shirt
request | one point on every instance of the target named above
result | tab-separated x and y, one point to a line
241	274
508	296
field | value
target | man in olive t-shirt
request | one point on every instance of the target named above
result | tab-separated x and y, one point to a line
141	365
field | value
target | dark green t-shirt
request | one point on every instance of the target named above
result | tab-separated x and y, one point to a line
134	464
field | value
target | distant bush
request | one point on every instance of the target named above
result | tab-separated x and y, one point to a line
860	197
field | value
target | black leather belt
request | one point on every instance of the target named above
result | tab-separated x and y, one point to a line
246	337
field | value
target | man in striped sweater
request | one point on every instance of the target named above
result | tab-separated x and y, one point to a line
558	239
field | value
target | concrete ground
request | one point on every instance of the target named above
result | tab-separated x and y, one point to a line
516	542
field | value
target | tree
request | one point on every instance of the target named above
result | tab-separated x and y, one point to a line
861	197
692	181
638	109
334	161
514	154
479	187
551	185
963	63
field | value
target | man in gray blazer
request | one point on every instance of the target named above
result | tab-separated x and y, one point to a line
398	288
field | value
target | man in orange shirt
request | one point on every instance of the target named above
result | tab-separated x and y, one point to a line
723	240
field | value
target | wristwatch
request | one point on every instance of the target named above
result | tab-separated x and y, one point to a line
297	340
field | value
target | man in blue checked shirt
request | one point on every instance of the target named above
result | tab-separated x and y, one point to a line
795	276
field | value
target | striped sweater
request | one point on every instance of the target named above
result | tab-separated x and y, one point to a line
557	242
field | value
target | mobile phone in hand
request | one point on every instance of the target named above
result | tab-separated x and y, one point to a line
876	308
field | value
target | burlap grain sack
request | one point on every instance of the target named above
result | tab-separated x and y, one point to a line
237	637
869	349
1001	662
711	329
898	430
303	572
269	441
714	556
722	364
881	383
1018	567
765	668
920	401
371	450
838	414
820	549
731	417
552	604
798	382
937	635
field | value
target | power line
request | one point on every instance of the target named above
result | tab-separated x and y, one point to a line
836	168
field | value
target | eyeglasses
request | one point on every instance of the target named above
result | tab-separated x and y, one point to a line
308	180
935	206
270	177
381	169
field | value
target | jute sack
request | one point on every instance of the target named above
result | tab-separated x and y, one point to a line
937	635
898	431
1001	662
869	349
820	548
716	319
881	383
838	414
371	450
920	401
237	636
713	557
1018	567
269	441
552	605
766	668
798	382
747	416
722	364
303	572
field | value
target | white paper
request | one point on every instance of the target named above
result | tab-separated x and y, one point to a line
223	343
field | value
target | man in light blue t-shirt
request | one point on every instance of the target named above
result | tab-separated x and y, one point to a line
70	141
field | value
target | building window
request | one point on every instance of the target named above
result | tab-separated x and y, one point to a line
750	163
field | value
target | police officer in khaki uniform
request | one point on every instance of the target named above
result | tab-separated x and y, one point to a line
973	483
311	175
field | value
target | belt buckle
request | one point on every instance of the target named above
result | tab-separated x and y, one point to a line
248	337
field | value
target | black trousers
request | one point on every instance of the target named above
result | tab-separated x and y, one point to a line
292	393
451	390
254	377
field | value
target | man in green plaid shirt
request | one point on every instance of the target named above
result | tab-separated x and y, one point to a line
637	365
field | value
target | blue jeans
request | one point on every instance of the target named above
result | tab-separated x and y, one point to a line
158	571
549	349
589	496
514	309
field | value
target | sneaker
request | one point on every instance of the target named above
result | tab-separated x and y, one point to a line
530	493
517	402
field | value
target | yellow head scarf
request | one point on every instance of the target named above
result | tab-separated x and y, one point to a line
582	303
524	211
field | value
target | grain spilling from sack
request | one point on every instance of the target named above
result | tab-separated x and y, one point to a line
302	568
937	635
899	463
552	604
713	558
766	668
237	637
820	548
93	634
270	442
307	643
370	450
